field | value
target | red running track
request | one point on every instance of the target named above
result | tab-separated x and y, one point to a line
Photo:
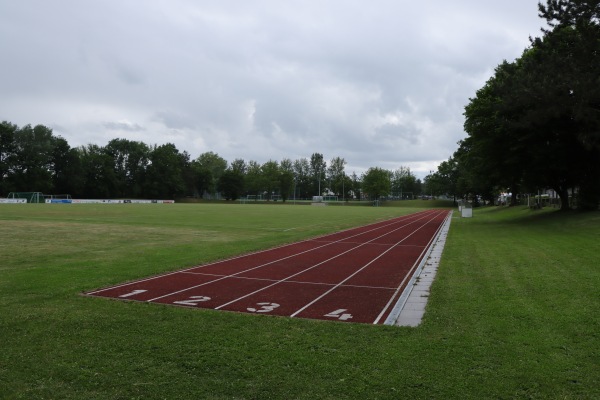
356	275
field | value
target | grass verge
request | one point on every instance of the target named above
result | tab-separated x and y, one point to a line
513	312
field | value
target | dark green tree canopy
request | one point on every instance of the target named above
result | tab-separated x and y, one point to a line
34	159
536	122
231	184
376	183
570	12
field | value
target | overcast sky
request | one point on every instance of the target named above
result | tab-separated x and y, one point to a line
381	83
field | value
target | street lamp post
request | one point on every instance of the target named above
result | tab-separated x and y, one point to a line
343	188
320	171
431	186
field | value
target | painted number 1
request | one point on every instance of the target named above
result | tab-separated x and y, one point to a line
139	291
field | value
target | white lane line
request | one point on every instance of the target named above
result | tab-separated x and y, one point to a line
316	265
130	283
410	307
281	259
391	222
356	272
412	271
300	282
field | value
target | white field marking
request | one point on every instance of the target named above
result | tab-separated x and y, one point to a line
386	219
338	314
395	220
281	259
264	307
193	300
411	271
396	311
377	244
139	291
323	262
300	282
130	283
359	270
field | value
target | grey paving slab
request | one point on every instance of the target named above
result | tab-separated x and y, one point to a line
417	293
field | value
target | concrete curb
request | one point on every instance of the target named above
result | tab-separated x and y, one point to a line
410	308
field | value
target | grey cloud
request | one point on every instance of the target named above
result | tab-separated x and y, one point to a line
123	126
174	119
128	75
391	133
260	80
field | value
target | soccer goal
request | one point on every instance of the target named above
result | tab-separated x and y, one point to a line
31	197
251	198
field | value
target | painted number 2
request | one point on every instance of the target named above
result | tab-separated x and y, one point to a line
193	301
264	307
339	314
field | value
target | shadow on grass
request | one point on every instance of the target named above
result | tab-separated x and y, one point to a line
547	217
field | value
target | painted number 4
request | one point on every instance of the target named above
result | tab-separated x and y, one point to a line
339	314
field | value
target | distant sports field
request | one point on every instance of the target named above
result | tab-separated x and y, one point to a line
513	312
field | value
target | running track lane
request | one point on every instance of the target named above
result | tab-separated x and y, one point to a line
356	275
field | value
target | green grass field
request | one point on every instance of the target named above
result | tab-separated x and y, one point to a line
514	311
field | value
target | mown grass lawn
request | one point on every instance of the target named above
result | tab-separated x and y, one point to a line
513	312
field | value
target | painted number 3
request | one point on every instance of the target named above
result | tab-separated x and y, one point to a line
264	307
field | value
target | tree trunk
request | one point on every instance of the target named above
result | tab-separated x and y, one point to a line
588	197
563	194
513	197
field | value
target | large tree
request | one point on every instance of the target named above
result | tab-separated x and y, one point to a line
496	149
336	176
569	55
209	167
33	153
66	169
403	181
570	12
303	177
165	172
231	184
376	183
536	123
318	168
270	178
99	178
131	159
7	155
355	185
254	179
286	178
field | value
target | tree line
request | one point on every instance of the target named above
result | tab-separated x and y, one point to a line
34	159
535	124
